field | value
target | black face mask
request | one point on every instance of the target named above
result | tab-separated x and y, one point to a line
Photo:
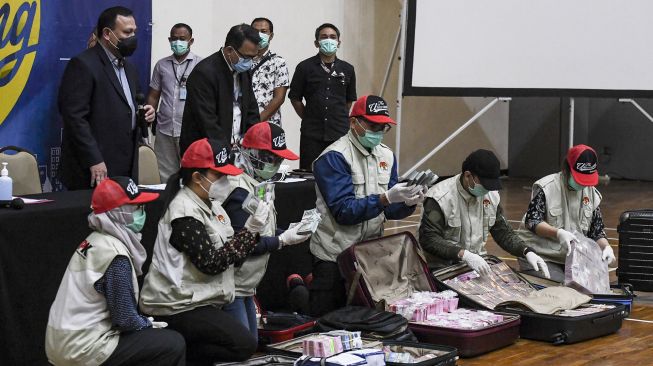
126	46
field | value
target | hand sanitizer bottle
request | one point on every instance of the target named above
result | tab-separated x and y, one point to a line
5	184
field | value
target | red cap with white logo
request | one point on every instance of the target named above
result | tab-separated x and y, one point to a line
582	162
210	154
118	191
270	137
372	109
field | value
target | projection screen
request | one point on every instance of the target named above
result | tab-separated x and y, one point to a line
596	48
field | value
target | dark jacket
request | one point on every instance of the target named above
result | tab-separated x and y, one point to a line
97	122
209	103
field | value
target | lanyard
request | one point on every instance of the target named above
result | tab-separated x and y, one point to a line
327	69
174	70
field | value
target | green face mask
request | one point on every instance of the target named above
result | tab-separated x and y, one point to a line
139	221
268	171
573	185
478	190
370	139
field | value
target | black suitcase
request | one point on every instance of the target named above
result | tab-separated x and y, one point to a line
544	327
272	360
636	249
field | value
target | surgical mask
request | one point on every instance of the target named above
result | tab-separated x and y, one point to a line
219	190
370	139
243	64
265	40
179	47
573	185
268	171
328	46
138	221
125	46
478	190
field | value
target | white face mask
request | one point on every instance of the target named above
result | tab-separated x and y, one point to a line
219	190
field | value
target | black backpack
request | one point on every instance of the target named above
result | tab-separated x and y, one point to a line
370	322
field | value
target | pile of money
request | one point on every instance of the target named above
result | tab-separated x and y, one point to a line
310	220
424	178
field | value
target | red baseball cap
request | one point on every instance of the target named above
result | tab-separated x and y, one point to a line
582	164
117	191
270	137
373	109
211	154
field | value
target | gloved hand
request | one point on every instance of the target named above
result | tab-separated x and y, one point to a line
477	263
157	325
565	238
608	254
256	222
291	237
416	199
400	193
538	263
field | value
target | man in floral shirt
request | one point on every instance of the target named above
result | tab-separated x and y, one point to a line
270	75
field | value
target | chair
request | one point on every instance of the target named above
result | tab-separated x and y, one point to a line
148	166
23	170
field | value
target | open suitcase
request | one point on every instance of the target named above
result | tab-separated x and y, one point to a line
544	327
393	266
447	356
636	249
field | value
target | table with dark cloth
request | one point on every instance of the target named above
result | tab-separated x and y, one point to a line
37	242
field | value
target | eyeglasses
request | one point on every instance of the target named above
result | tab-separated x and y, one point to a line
240	54
374	127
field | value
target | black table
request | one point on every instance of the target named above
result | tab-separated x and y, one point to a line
37	242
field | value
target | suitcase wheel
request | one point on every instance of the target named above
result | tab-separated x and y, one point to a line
559	338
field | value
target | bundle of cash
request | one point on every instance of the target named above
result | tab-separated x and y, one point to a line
425	178
310	220
263	192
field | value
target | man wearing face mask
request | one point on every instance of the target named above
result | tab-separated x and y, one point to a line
561	204
168	87
461	211
357	190
327	84
269	74
220	100
98	107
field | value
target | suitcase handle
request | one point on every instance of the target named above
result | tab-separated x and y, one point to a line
603	319
559	338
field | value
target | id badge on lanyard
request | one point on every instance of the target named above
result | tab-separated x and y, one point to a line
182	92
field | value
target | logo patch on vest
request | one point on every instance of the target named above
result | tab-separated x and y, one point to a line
83	248
586	201
221	219
383	166
486	202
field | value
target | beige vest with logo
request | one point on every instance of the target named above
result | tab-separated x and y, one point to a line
79	330
566	209
468	219
370	174
173	283
249	275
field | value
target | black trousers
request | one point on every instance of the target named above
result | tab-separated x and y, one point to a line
309	150
327	291
212	335
149	347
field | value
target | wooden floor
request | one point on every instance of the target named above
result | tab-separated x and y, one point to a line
632	345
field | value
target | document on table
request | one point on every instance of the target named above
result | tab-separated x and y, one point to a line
32	201
154	187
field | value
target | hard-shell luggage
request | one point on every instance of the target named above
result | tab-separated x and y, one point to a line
278	327
391	267
556	329
636	249
271	360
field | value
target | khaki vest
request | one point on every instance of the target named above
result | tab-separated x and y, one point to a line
467	219
249	275
566	209
79	330
173	283
370	174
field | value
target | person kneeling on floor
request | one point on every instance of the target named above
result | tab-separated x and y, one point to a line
192	272
357	190
94	319
461	211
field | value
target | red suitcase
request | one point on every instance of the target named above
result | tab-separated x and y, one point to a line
391	267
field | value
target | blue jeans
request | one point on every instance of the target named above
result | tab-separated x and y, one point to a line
244	310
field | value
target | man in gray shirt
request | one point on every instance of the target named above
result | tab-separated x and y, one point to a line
168	86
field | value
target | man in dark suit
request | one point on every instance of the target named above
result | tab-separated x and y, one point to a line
98	106
220	103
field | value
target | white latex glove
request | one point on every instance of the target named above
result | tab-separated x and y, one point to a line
608	254
157	325
565	238
256	222
416	199
400	193
477	263
538	263
291	237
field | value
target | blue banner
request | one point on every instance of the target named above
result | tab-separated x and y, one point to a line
37	38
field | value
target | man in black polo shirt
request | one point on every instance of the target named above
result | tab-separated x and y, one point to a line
328	85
